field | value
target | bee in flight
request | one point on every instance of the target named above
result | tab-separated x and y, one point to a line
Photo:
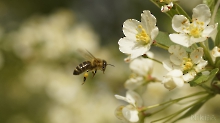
93	65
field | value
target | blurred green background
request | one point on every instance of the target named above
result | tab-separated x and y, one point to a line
38	53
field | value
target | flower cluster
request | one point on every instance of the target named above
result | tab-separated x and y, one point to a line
190	60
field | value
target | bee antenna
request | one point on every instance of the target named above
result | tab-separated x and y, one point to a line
111	65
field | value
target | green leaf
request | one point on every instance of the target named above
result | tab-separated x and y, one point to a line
199	79
217	19
164	39
210	4
191	111
217	39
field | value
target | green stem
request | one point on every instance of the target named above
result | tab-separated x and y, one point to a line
215	12
145	56
161	109
154	2
170	117
183	12
160	45
207	54
208	89
172	101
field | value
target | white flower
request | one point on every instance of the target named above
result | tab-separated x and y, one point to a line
196	31
173	79
141	68
216	52
130	111
134	82
189	64
167	7
139	35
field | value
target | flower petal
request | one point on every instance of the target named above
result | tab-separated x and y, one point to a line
168	65
118	113
179	22
139	50
133	83
202	13
199	67
134	98
175	73
148	21
130	113
141	66
173	79
189	76
210	31
196	55
121	98
154	33
130	28
193	40
126	45
182	39
216	51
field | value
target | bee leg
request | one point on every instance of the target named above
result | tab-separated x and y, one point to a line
85	76
94	72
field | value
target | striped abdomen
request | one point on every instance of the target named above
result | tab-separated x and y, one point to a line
82	67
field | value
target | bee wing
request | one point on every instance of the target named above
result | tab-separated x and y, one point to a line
86	54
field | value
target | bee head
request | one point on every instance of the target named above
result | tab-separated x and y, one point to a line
104	64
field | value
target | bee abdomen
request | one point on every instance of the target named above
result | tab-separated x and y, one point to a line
82	67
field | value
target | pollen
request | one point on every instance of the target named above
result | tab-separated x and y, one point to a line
187	64
195	29
142	36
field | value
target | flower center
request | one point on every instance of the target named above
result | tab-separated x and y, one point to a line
195	29
142	36
187	64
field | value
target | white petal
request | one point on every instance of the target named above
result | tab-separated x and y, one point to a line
175	60
173	79
121	98
178	81
126	45
214	32
210	31
178	51
168	65
207	32
169	84
196	55
193	40
130	28
133	83
141	66
130	113
139	50
189	76
199	67
118	113
175	73
154	33
148	21
216	51
181	39
202	13
134	98
165	8
179	22
127	59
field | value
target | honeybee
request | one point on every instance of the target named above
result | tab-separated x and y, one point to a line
93	65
